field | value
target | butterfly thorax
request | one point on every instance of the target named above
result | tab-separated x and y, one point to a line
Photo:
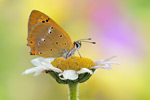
68	54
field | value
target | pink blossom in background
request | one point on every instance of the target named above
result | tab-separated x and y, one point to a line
114	31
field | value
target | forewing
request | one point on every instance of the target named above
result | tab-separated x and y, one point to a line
46	40
37	17
41	27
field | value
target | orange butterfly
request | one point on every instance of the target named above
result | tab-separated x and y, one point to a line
48	39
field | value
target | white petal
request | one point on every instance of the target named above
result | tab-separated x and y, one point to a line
108	67
105	64
111	63
84	70
48	60
55	69
41	64
38	72
50	67
69	74
37	61
95	71
108	59
35	69
99	62
104	61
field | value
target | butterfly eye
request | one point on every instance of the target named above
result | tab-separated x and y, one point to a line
51	49
56	42
43	21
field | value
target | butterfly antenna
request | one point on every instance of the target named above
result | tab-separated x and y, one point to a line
89	42
85	39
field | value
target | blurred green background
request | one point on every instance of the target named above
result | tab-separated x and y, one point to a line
120	27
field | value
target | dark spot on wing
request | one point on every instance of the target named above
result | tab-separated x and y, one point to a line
51	27
47	20
60	35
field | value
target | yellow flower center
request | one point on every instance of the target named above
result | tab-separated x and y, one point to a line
72	63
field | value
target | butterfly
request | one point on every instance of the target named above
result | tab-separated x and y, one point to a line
47	39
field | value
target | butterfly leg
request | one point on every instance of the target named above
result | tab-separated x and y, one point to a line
79	54
74	60
59	62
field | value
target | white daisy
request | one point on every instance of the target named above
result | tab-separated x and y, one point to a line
68	69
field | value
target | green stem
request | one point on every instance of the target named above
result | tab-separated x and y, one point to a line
73	91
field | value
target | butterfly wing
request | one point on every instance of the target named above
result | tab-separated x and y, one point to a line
37	17
46	38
